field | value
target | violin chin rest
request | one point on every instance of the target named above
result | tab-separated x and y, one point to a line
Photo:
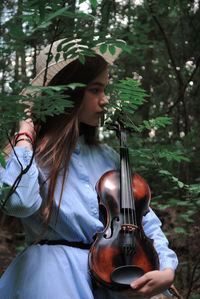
123	276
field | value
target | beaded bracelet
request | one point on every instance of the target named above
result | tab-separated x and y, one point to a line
23	139
24	133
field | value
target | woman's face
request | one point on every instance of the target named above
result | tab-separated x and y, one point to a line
94	100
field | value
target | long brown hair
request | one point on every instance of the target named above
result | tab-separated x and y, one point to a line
58	135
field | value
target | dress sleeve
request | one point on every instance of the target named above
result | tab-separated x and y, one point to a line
26	199
152	228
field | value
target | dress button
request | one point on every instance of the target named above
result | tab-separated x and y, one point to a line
87	186
95	211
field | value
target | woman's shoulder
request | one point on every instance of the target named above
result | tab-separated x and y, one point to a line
109	153
105	147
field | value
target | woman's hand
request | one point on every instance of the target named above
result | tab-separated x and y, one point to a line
150	284
28	127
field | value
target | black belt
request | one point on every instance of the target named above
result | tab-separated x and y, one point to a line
65	242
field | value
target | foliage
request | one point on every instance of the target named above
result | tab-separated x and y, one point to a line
155	83
2	159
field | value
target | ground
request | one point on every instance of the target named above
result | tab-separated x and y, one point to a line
11	240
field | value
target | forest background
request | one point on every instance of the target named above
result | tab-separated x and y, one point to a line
162	54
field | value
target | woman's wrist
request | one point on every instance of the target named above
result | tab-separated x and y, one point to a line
27	126
24	139
23	143
25	134
169	275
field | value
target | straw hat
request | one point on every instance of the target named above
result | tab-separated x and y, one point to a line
55	66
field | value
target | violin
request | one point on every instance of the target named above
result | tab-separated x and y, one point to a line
122	253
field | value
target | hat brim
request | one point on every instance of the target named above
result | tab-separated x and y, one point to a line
56	67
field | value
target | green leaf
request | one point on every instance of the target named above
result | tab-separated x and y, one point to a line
21	248
112	49
157	122
179	230
81	58
165	172
2	161
194	188
173	155
57	57
103	48
75	85
43	25
15	31
122	45
180	184
130	95
63	12
56	13
68	41
94	3
47	89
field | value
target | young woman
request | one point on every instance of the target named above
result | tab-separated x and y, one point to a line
56	199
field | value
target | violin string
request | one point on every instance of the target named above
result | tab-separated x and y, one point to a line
128	188
124	187
133	209
121	179
127	195
131	197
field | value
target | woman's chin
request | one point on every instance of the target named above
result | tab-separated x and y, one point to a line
91	124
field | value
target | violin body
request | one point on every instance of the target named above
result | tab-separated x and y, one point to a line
121	249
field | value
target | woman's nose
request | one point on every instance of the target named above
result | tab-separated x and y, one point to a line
104	101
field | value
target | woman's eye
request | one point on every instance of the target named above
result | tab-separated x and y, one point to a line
94	90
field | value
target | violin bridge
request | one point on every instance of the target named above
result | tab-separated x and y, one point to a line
128	241
129	227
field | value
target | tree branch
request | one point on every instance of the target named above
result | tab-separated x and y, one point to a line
178	75
193	73
192	278
185	85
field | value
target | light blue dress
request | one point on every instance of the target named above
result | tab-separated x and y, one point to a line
60	271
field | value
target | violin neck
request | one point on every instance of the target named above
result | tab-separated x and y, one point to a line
127	199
